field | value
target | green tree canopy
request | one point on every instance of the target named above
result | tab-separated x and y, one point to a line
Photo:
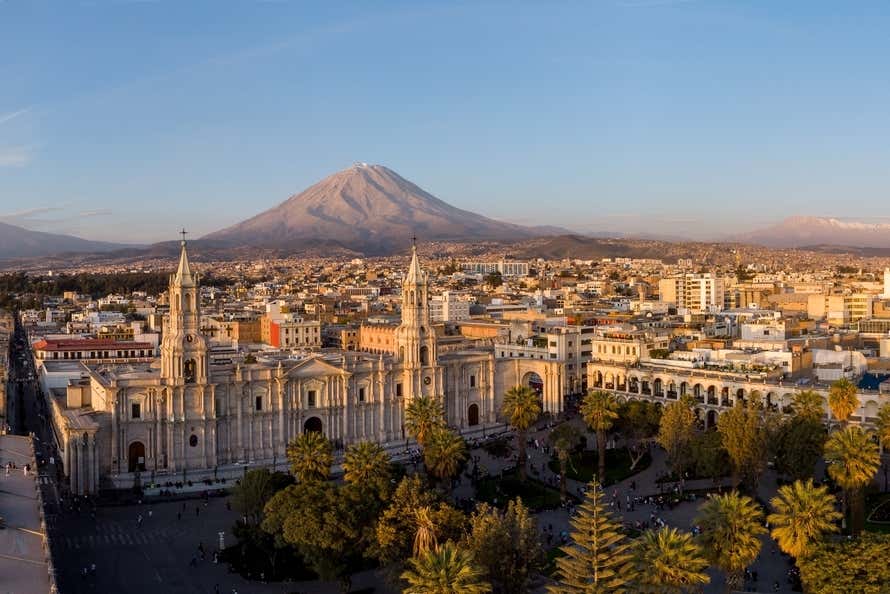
745	438
808	404
521	408
599	558
798	445
669	562
445	570
856	565
638	422
367	465
731	526
802	514
397	526
853	460
423	416
310	456
444	452
842	399
564	438
599	410
255	489
506	545
675	432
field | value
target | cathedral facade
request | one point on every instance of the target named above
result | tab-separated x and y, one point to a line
187	418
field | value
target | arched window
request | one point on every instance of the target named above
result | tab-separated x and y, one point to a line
189	370
424	355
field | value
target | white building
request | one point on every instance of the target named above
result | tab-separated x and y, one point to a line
696	293
448	308
506	268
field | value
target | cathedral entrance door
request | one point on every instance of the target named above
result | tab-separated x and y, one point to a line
312	424
473	415
136	456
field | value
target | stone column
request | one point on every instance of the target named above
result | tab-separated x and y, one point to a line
115	453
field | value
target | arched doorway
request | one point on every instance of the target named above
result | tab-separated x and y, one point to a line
136	457
533	381
711	420
473	415
312	425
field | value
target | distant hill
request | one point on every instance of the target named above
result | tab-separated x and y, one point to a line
18	242
370	209
594	248
802	231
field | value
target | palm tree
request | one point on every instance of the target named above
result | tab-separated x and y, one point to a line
599	410
310	456
842	399
423	415
599	557
670	562
731	527
853	461
564	439
444	452
367	464
883	426
425	536
803	513
808	404
444	570
521	407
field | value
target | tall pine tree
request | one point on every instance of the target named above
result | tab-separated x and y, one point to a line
599	558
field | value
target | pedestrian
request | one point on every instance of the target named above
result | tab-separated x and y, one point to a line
197	510
150	511
179	516
139	520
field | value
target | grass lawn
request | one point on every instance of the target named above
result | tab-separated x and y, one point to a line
534	494
877	513
583	466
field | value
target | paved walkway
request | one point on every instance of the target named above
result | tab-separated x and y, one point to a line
23	567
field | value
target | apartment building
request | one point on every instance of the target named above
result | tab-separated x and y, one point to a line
696	293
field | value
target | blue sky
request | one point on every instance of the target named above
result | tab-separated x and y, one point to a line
125	119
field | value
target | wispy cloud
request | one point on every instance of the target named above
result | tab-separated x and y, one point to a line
8	117
15	156
99	212
30	212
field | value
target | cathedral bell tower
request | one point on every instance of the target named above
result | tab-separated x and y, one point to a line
415	338
183	349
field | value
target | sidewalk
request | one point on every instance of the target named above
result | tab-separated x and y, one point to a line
23	563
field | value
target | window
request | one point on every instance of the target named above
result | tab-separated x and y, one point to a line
398	390
472	381
361	394
310	396
136	410
552	343
193	441
258	403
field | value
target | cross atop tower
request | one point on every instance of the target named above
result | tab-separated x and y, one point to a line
183	233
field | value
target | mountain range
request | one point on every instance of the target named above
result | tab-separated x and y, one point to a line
803	231
370	209
18	242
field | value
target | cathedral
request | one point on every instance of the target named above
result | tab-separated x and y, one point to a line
187	418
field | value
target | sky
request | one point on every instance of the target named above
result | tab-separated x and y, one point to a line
124	120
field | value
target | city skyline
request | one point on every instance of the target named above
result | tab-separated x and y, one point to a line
707	117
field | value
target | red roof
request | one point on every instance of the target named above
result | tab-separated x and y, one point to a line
89	344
